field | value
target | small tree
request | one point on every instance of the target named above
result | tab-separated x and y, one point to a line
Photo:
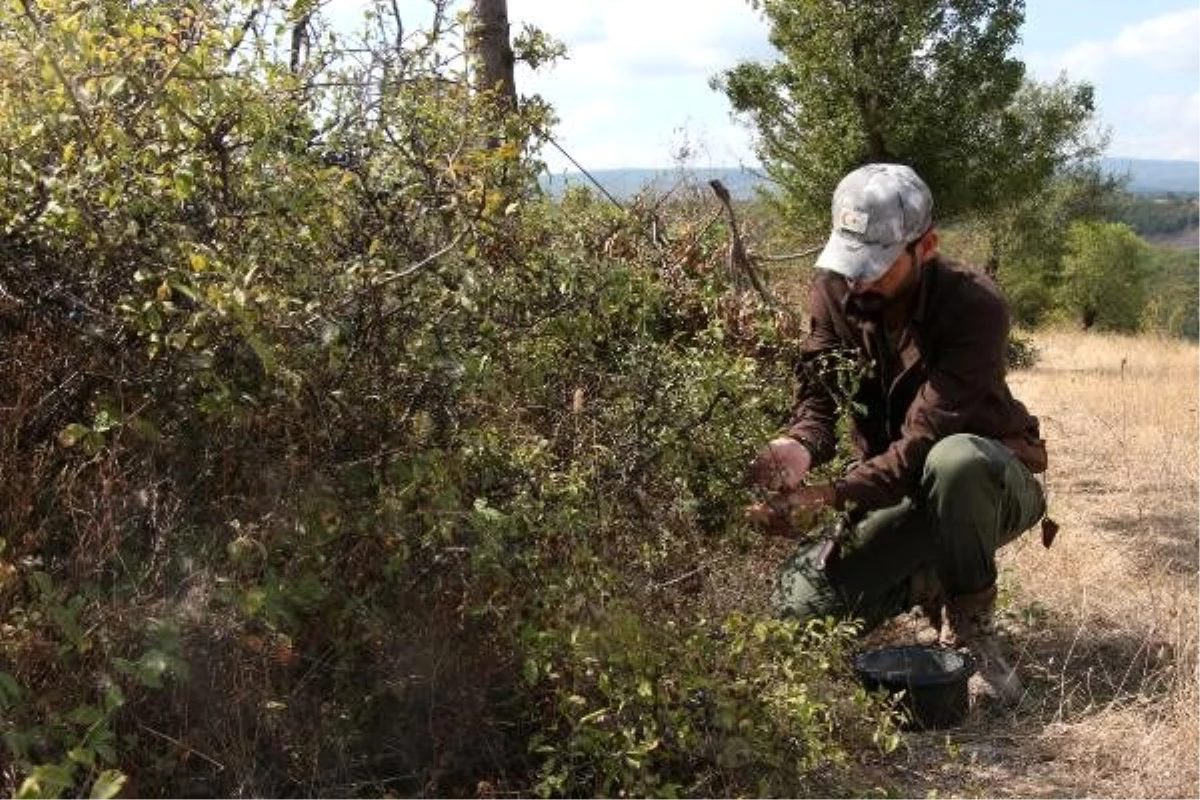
1104	276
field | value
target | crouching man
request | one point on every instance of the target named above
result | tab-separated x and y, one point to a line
946	454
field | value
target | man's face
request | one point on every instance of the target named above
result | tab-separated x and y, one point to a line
873	297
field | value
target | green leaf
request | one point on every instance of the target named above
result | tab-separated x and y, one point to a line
113	85
108	785
43	583
85	715
47	780
10	690
262	350
152	666
84	756
72	434
183	183
254	600
144	428
107	753
104	422
114	698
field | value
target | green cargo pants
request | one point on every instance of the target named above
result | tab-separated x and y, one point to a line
975	497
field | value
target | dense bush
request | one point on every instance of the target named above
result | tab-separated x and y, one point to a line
1021	352
337	462
1173	283
1158	214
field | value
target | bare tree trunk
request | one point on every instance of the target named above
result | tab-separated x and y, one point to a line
491	50
299	41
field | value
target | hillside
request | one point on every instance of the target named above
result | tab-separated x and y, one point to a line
1103	624
1188	239
361	469
1148	176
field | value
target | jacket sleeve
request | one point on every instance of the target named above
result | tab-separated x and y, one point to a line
814	414
967	362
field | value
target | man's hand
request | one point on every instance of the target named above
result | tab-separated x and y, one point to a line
782	464
790	513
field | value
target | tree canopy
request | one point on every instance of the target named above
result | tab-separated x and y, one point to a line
930	83
1104	276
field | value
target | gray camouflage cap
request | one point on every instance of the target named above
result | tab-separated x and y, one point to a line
877	210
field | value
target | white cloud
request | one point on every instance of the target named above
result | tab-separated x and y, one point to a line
645	39
1145	78
633	90
1082	62
1169	42
1168	127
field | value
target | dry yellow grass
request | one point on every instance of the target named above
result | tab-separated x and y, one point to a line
1104	624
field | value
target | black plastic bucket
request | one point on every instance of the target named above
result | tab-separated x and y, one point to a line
933	679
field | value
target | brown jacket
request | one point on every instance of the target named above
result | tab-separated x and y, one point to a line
945	376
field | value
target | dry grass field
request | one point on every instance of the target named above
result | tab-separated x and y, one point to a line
1104	623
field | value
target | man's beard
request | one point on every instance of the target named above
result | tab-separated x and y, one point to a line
871	304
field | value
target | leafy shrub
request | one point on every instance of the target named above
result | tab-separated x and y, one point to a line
327	426
1022	352
699	709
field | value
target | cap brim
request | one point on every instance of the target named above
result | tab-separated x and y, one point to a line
857	260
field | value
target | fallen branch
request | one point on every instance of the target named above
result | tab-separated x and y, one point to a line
792	256
691	573
187	749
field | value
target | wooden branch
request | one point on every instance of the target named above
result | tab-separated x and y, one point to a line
429	259
739	259
690	573
792	256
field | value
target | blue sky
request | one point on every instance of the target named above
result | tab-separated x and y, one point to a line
633	91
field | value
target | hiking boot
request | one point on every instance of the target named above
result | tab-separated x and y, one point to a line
970	625
925	595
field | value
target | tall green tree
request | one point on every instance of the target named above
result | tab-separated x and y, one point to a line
930	83
1028	238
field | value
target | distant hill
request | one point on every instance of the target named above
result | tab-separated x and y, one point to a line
624	184
1145	176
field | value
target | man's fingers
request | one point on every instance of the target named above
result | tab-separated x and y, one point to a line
772	516
762	514
771	471
764	468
